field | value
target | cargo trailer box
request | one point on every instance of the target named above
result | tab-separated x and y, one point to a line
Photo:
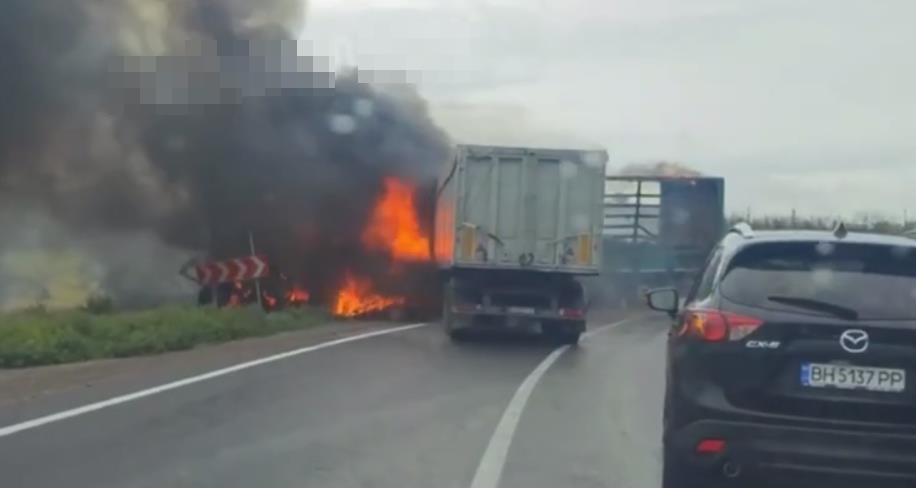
511	208
659	230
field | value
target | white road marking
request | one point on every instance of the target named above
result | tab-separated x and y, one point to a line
92	407
605	327
593	332
490	469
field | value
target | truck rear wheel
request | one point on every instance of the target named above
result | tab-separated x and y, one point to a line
456	334
564	336
569	338
448	319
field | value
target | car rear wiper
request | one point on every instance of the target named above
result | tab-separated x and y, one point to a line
810	303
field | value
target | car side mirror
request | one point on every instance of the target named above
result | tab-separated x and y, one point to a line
664	300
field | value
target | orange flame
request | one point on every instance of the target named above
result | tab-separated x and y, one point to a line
237	295
357	298
269	300
394	225
297	296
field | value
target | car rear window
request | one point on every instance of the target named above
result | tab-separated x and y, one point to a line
877	281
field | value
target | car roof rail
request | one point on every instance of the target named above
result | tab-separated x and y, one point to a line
743	229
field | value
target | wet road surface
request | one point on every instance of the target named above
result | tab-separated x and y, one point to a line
405	409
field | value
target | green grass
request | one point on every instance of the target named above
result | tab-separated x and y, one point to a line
38	337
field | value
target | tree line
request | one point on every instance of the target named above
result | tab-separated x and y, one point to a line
859	224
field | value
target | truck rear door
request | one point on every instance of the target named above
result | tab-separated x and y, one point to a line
493	207
530	209
541	209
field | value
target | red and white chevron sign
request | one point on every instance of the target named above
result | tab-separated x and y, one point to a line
239	269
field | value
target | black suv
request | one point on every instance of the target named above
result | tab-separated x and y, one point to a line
793	363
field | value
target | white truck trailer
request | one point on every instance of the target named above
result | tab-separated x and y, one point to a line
514	229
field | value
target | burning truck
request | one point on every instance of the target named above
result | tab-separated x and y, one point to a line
498	240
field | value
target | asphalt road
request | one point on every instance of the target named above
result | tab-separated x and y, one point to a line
406	409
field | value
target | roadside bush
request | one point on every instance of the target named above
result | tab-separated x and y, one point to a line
37	337
99	304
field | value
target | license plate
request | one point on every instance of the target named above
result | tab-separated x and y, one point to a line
817	375
522	310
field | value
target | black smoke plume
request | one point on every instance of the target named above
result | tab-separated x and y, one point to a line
198	122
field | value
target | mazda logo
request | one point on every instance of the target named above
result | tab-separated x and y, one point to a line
854	341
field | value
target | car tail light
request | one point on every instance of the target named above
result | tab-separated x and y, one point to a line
741	326
716	326
710	446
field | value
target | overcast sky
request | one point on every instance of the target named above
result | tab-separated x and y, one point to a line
798	103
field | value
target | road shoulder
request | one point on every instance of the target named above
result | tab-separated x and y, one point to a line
28	392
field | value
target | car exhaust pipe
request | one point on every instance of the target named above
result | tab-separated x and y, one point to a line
731	470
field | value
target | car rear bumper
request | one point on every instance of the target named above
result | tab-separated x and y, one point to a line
800	455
